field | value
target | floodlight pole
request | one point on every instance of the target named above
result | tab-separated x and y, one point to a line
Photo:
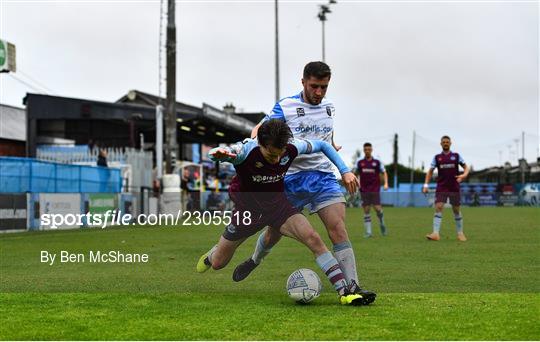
159	141
323	42
277	48
172	146
323	11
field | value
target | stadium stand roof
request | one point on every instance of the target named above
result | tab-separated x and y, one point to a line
507	174
226	117
122	123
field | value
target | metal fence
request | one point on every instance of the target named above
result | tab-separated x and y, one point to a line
136	165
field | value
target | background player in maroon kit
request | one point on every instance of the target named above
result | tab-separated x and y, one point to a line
369	171
447	164
258	190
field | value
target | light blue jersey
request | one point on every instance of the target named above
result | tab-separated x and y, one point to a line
306	121
310	181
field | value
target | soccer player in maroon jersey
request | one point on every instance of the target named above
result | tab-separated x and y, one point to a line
447	164
258	189
369	171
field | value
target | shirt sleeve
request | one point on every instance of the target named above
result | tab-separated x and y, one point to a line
302	146
381	167
461	160
357	165
433	163
314	146
276	113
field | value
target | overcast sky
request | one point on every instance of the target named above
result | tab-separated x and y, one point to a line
466	69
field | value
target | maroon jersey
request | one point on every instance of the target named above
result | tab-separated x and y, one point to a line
447	165
257	183
370	171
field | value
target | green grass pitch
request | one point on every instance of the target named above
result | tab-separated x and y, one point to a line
484	289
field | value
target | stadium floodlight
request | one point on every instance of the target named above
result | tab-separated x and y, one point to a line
323	11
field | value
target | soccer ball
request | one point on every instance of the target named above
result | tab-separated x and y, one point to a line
304	285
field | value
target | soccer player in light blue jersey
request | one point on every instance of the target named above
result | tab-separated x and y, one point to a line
310	181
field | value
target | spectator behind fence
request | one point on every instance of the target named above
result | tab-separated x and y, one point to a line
184	187
102	158
215	202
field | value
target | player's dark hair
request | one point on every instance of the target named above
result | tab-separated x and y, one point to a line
445	137
319	70
275	133
367	144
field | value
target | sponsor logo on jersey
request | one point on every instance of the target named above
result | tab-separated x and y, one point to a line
268	179
368	171
284	160
447	166
313	128
258	165
300	112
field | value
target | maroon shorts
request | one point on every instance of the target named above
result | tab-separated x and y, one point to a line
370	198
248	219
445	195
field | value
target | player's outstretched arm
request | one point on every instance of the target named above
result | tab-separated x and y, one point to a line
313	146
234	154
255	130
222	154
276	113
337	147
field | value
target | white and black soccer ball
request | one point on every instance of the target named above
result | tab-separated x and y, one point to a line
304	285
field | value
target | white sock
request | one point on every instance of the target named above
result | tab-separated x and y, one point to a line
345	257
437	219
367	223
260	249
333	271
459	223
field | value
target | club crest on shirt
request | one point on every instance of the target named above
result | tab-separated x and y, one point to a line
330	110
452	158
373	164
300	112
284	160
258	165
